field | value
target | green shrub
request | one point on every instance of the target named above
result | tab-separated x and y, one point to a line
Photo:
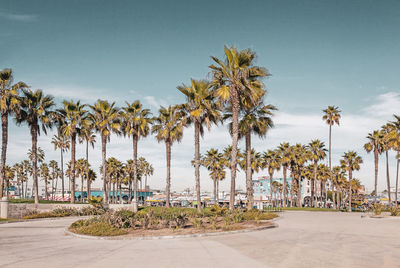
96	228
394	211
377	209
197	222
257	215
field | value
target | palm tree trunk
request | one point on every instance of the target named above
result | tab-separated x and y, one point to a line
135	197
55	188
235	138
299	191
4	139
87	170
333	195
34	130
387	177
397	181
62	174
376	159
197	162
46	194
81	187
215	190
271	187
73	152
350	193
22	192
284	186
249	181
338	197
168	186
330	159
103	152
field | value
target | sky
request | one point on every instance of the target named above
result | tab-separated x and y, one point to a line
320	53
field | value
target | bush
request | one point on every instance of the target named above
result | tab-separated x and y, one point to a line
96	227
377	209
256	215
394	211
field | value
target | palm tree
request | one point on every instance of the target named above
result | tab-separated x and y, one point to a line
19	173
233	78
350	162
272	161
168	127
284	151
54	174
299	155
387	131
215	162
105	118
9	103
136	124
45	174
375	144
255	119
396	147
201	109
36	112
9	175
86	134
71	118
27	170
81	170
338	176
60	142
318	153
331	117
323	174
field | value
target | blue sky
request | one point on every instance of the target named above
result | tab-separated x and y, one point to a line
319	53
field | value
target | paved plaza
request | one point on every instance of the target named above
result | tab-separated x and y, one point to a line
303	239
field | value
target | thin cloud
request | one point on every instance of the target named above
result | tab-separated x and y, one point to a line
18	17
385	105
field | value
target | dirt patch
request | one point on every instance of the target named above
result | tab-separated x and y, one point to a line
190	229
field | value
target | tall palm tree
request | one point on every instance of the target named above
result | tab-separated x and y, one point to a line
396	147
318	153
338	178
61	142
272	161
256	119
19	173
331	117
86	135
71	119
232	78
201	109
105	118
387	131
283	148
350	162
36	112
9	103
375	144
135	123
168	127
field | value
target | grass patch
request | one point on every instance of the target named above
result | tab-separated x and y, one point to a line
309	209
96	228
3	219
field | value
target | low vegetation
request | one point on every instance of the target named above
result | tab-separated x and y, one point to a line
160	220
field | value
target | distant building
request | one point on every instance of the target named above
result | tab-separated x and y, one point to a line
262	191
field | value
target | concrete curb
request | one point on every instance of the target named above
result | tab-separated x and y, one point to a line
122	237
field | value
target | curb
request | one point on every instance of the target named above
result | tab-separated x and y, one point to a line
273	225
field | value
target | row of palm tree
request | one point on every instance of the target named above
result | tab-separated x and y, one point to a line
235	95
382	141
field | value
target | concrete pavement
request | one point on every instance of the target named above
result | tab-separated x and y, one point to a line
303	239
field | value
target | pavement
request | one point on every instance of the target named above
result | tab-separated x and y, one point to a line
303	239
